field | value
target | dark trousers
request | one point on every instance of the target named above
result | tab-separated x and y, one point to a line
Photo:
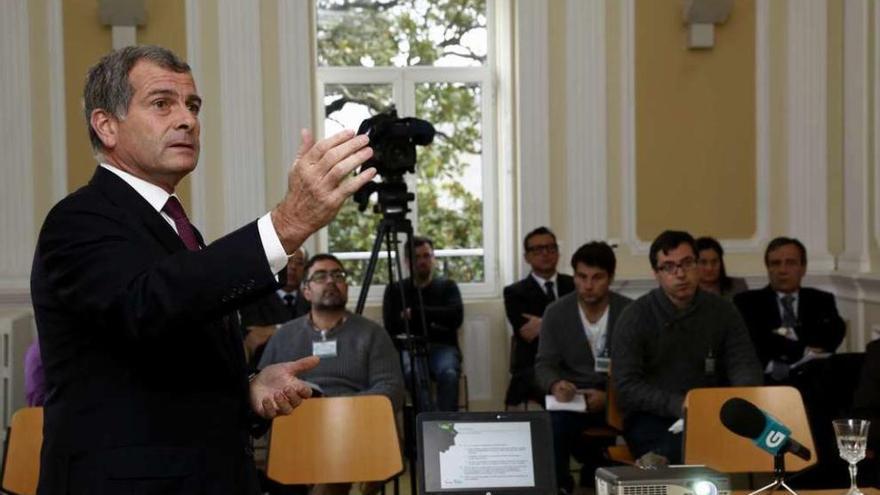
650	433
568	440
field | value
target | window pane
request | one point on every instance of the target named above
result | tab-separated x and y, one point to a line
450	187
377	33
345	106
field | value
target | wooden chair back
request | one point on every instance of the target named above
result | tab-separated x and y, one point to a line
709	442
21	464
335	440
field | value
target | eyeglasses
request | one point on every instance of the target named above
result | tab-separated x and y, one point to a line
788	263
323	276
670	268
543	248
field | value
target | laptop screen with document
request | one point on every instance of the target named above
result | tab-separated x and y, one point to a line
485	453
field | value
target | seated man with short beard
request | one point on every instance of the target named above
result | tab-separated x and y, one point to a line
357	355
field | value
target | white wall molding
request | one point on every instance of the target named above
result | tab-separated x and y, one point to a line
57	111
628	197
198	181
16	141
478	356
294	53
754	244
856	256
585	135
533	119
124	36
504	108
295	47
806	124
876	94
241	102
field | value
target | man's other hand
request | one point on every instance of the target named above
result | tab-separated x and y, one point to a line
596	399
318	182
276	389
531	328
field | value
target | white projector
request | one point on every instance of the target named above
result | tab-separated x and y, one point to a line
673	480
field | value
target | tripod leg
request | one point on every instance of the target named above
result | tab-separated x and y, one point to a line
371	268
770	488
787	488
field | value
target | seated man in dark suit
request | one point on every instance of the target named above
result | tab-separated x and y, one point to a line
259	320
866	405
574	357
525	302
789	323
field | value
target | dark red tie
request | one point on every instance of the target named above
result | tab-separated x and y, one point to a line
174	209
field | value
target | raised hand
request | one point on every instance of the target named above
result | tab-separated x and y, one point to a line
318	182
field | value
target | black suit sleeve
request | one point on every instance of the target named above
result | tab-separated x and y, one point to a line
866	400
822	325
99	265
767	344
515	304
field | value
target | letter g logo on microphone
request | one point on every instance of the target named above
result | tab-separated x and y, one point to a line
774	439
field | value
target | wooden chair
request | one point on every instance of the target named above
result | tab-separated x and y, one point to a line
335	440
617	453
21	463
707	441
614	428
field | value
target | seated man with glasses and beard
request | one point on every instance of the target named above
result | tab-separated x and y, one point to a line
357	355
669	341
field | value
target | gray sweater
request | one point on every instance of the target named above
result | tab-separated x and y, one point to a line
366	362
661	352
564	352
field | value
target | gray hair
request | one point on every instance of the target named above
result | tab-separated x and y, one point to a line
107	86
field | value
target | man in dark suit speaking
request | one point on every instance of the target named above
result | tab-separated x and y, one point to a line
147	386
524	303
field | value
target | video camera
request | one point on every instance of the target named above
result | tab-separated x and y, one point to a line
394	142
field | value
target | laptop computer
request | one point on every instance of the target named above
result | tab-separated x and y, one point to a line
485	453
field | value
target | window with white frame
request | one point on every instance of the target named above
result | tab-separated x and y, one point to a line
431	60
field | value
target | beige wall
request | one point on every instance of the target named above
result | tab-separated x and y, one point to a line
695	124
85	42
695	114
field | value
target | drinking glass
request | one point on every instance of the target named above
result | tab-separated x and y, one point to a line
852	438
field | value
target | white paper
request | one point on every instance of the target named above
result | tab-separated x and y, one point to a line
677	427
487	455
810	355
578	404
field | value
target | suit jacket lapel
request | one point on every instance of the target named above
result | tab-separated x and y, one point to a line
128	199
537	289
135	205
772	307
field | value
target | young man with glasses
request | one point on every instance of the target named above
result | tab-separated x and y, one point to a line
671	340
524	303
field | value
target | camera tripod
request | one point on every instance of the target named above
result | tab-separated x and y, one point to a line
413	347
